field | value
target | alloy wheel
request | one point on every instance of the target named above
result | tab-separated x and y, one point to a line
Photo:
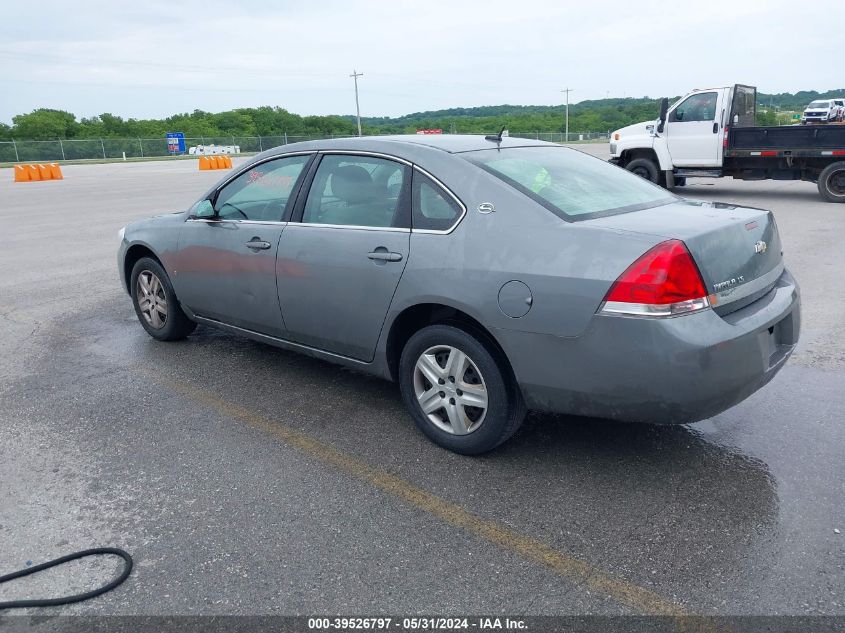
152	301
450	389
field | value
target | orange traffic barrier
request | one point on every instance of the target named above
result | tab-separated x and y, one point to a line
29	173
215	162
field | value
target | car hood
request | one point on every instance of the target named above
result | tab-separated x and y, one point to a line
637	130
171	217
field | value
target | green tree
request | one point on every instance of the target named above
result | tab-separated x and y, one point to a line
45	124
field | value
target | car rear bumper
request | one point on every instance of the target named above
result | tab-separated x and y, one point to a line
663	371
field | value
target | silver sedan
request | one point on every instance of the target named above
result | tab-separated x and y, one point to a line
486	276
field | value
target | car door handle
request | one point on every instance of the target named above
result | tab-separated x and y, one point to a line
257	244
385	256
715	128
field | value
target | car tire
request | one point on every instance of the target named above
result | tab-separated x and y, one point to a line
449	421
645	168
155	302
832	182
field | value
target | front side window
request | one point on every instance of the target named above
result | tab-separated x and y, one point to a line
434	209
357	191
262	192
571	184
697	107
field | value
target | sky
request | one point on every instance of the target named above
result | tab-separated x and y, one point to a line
150	59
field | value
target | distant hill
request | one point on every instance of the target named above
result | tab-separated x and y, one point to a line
586	116
797	101
599	115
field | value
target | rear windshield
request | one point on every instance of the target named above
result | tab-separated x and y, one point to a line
571	184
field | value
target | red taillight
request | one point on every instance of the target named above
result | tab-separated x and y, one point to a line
725	138
663	282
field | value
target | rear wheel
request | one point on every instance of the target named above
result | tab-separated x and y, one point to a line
832	182
458	393
644	168
155	302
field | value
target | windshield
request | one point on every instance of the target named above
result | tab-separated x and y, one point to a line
819	104
571	184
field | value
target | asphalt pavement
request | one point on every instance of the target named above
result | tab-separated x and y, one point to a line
249	480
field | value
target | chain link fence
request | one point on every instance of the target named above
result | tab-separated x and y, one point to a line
117	148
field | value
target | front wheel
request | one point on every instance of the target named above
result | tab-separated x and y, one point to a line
458	393
832	182
644	168
155	302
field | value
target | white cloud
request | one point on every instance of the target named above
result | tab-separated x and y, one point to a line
156	58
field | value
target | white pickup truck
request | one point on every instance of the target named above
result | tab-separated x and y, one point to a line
822	111
711	133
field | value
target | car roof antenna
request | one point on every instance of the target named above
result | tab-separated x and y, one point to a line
503	133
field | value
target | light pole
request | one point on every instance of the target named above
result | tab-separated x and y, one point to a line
567	91
355	74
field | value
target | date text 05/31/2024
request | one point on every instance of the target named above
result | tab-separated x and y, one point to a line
415	624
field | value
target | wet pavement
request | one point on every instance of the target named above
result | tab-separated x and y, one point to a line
245	479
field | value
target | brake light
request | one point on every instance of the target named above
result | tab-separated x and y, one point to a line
663	282
725	138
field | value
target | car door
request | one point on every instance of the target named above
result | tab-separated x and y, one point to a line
226	263
339	264
692	130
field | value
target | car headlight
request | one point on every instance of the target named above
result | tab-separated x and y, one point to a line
121	233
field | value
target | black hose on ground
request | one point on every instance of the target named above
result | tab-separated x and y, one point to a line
52	602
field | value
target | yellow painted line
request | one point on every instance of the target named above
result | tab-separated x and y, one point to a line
624	592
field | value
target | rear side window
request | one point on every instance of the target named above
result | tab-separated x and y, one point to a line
262	192
357	191
572	185
434	209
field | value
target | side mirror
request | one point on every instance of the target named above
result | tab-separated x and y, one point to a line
664	109
203	210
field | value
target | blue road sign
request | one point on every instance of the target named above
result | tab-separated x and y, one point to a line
176	142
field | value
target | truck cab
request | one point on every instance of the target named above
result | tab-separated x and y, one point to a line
712	133
691	133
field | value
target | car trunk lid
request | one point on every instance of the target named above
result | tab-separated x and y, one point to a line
737	249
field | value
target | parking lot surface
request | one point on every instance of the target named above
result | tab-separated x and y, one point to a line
248	480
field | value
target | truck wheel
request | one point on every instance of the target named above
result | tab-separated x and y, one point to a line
644	168
832	182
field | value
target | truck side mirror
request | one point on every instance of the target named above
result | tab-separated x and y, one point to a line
664	109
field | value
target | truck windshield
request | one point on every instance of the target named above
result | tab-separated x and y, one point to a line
572	185
819	104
